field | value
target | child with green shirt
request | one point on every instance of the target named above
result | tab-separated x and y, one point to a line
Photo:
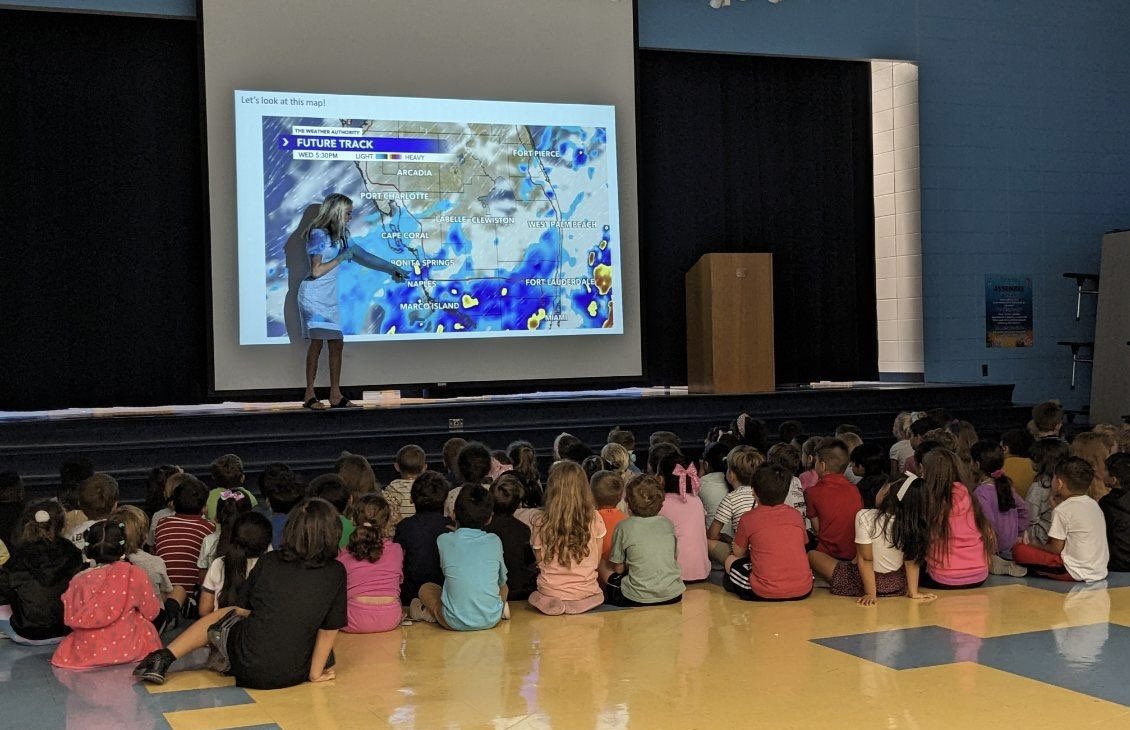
642	569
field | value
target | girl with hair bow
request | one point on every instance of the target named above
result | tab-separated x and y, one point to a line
683	507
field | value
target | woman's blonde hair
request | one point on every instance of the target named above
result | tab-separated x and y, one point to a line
331	216
565	528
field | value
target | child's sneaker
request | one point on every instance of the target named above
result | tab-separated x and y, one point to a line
1000	566
417	612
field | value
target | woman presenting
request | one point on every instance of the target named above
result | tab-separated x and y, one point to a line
328	247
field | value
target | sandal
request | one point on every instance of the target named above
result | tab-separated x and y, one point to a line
314	404
344	403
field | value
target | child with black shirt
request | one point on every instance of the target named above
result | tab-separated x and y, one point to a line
1116	509
287	613
521	566
35	577
417	535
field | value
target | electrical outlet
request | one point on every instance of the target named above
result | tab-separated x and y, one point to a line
455	424
984	370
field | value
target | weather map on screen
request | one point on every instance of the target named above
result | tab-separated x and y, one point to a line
503	215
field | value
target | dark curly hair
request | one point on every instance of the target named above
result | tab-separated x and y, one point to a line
370	514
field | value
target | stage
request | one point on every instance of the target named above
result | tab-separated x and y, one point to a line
127	442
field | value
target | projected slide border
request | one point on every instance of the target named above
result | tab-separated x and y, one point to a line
504	215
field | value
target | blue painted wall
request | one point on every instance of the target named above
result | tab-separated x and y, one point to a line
1025	134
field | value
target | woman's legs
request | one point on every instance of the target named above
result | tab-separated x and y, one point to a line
313	352
336	347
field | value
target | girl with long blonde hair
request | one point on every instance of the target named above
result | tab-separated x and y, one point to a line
567	539
327	247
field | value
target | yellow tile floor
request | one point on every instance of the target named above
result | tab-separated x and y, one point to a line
717	662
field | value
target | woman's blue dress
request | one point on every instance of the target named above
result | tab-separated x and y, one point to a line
317	298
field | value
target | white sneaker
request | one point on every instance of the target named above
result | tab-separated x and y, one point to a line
417	612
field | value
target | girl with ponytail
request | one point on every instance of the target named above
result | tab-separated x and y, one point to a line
246	539
34	578
1005	510
109	608
374	569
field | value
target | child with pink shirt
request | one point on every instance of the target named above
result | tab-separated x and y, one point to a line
567	538
682	506
374	567
959	539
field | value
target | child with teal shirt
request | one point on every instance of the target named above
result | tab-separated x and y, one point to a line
473	595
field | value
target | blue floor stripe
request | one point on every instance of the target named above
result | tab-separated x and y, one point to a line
195	699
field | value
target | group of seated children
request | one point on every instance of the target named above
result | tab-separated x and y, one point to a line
342	554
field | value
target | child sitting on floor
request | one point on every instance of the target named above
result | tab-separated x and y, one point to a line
642	569
768	561
227	476
109	608
284	495
231	505
682	506
473	464
833	502
1077	548
39	570
741	463
411	461
179	537
282	629
97	498
1002	505
567	539
1046	454
171	597
881	566
374	567
248	539
473	595
607	492
1116	510
959	538
417	535
517	553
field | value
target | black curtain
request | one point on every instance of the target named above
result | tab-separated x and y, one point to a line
757	154
105	284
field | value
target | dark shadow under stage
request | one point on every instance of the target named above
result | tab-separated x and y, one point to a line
128	442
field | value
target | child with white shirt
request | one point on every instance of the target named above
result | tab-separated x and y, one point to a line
741	463
1077	547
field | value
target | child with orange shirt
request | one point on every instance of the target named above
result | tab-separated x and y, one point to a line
607	491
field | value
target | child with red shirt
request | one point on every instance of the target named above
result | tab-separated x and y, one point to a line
768	561
833	502
109	608
179	536
607	491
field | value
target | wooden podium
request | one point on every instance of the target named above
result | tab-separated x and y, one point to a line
730	324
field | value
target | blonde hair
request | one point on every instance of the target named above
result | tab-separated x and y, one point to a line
617	457
901	428
136	526
331	216
1089	447
565	527
744	461
964	434
1109	433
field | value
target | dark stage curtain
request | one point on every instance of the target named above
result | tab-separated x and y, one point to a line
756	154
105	281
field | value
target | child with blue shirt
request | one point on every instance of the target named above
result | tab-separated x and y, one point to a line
473	595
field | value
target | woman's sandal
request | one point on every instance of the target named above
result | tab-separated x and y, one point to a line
314	404
344	403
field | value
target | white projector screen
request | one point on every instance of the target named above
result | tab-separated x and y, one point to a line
488	149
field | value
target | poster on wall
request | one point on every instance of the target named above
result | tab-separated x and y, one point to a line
1008	311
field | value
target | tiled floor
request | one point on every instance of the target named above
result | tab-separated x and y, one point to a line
1013	654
